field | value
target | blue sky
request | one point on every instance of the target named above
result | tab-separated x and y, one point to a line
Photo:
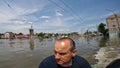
55	15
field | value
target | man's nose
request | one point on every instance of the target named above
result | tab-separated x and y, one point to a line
57	56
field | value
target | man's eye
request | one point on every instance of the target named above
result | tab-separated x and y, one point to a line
62	53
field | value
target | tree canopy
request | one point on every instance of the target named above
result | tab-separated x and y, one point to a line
102	29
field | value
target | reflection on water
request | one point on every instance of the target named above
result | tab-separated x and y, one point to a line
31	44
103	42
114	42
27	53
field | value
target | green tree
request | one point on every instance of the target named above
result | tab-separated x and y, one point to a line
20	33
0	35
102	29
41	35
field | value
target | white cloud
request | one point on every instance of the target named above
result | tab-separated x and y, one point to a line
30	23
18	9
6	15
19	22
54	22
58	13
16	27
47	21
45	17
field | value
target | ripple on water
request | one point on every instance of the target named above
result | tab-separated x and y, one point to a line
106	55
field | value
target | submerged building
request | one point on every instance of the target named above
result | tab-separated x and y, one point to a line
113	23
31	32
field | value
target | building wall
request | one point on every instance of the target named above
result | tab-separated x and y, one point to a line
113	23
7	35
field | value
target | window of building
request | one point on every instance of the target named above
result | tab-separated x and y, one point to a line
114	25
114	29
112	18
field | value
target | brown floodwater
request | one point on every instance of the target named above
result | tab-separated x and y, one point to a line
25	53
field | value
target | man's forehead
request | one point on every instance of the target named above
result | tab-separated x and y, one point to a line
63	41
62	45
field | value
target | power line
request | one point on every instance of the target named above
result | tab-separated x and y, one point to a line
56	4
7	4
63	9
71	9
11	7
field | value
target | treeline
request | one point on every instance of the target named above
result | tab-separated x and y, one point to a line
1	35
50	35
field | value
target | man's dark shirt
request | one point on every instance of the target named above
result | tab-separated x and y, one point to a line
77	62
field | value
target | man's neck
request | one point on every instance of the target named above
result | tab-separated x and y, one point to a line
67	64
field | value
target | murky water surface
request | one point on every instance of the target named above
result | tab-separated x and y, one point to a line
25	53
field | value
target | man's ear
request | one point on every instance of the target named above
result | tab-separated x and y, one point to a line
74	52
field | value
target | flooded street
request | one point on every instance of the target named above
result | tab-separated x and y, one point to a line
25	53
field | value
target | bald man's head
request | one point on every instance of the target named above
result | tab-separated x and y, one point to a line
69	41
64	51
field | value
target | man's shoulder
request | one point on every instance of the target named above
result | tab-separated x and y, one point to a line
78	58
48	62
49	59
79	61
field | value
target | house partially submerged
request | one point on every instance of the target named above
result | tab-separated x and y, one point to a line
113	23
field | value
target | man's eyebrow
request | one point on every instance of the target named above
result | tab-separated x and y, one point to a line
59	52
